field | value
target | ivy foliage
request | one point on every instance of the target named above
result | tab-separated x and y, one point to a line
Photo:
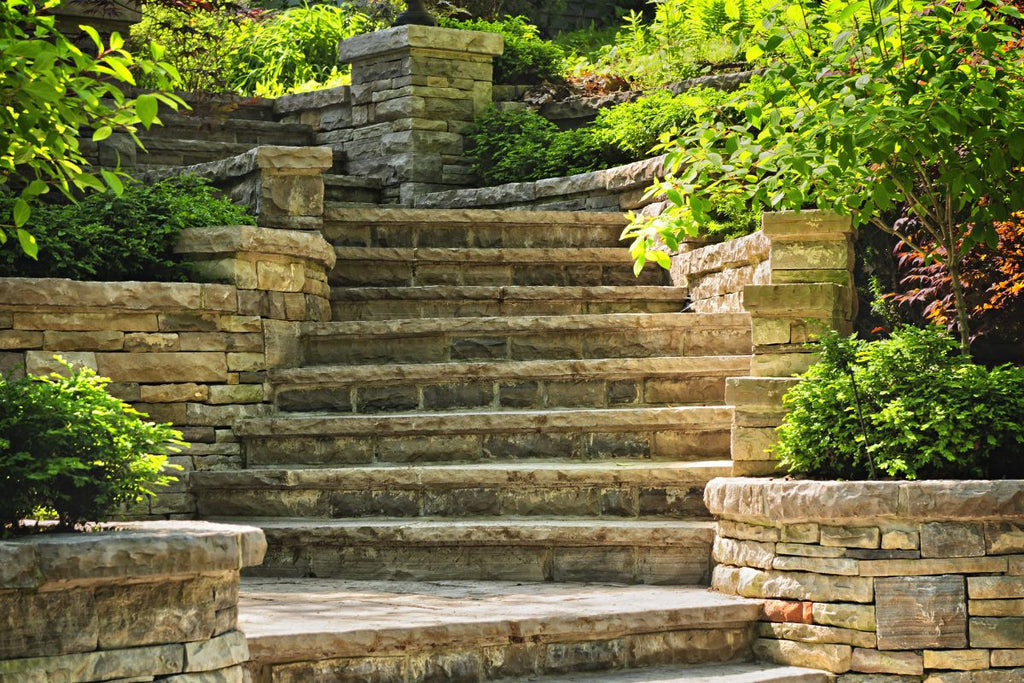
130	236
52	91
69	447
873	106
907	407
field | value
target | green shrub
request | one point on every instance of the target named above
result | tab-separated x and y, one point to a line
527	58
636	127
907	407
68	446
130	237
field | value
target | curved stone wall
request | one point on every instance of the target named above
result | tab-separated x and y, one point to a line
879	581
148	601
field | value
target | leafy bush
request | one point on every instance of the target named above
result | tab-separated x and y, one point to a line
253	53
127	237
67	445
907	407
51	90
527	58
636	127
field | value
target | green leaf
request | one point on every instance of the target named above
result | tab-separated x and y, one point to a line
754	52
21	212
112	181
732	9
662	259
102	133
146	108
28	244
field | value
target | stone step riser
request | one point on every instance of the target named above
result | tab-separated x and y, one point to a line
371	273
470	235
390	310
692	646
711	443
294	555
612	501
351	195
437	346
496	394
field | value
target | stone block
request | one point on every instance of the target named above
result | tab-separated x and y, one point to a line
807	532
752	443
957	660
812	255
280	277
137	663
995	587
743	553
935	566
221	652
829	657
997	632
173	393
754	583
237	393
1007	658
788	611
1002	538
900	540
878	662
44	362
927	612
81	322
782	364
151	614
858	617
810	633
851	537
43	624
163	367
808	550
821	565
749	532
94	340
949	539
148	342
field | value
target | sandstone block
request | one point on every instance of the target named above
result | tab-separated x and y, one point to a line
997	632
80	322
95	340
990	676
1007	658
43	362
754	583
808	550
163	367
809	633
821	565
876	661
807	532
794	612
138	342
135	663
995	608
851	537
957	660
1002	538
995	587
221	652
859	617
947	539
173	393
744	553
834	658
237	393
246	362
955	565
752	443
900	540
921	612
747	532
42	624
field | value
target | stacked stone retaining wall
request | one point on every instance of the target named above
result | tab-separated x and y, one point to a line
150	602
192	354
903	581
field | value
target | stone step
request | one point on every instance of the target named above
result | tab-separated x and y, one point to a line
375	632
624	490
325	440
471	228
548	266
487	549
163	152
441	340
386	303
351	190
595	383
744	672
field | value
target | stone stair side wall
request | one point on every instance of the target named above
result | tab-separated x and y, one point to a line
142	601
715	275
192	354
810	289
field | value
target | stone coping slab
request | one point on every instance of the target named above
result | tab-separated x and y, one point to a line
295	620
127	551
287	160
778	501
134	296
400	38
715	673
247	238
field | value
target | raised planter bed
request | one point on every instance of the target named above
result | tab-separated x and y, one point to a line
915	580
147	601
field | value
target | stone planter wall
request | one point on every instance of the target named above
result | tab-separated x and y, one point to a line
716	274
156	601
195	355
879	581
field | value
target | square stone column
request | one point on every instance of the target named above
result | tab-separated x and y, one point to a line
415	91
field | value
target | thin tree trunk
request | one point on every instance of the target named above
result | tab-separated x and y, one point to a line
963	321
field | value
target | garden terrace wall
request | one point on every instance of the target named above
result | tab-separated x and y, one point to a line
916	581
192	354
152	601
715	274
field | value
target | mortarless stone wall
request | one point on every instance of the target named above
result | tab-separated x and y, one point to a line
889	581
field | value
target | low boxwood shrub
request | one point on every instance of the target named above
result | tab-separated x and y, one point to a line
527	58
907	407
126	237
70	448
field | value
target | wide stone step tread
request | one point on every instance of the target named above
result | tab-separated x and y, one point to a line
477	217
568	256
673	367
746	672
705	323
504	532
524	293
512	475
295	620
681	418
207	127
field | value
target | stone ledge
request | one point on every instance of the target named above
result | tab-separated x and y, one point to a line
128	551
317	99
284	160
777	501
246	238
131	296
399	38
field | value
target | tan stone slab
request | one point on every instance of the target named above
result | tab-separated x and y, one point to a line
834	658
819	565
20	339
956	565
780	225
1007	658
306	619
808	550
876	661
754	583
916	613
163	367
743	553
804	532
748	532
127	322
990	676
858	617
900	540
247	239
97	340
609	420
850	537
448	216
719	673
997	632
812	501
965	500
129	296
220	652
995	587
995	608
1004	538
128	663
958	660
949	539
809	633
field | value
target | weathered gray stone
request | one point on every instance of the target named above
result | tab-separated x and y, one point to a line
221	652
921	612
945	539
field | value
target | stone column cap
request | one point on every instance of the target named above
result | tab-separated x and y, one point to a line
809	224
230	239
400	38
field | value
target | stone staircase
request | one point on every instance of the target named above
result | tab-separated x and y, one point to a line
497	402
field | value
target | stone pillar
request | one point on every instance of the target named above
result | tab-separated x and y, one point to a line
415	91
811	290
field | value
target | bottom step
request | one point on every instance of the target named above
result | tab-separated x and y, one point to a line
715	673
322	630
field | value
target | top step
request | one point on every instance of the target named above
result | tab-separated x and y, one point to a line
470	228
